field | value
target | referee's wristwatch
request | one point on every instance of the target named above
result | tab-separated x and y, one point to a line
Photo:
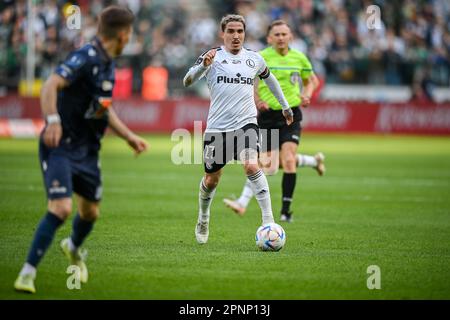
53	118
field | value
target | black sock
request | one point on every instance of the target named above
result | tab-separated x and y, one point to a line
43	237
288	186
80	229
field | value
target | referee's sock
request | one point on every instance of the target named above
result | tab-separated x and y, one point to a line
288	187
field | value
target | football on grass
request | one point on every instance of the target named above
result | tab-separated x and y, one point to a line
270	237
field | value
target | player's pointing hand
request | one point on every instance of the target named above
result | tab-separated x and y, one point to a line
209	57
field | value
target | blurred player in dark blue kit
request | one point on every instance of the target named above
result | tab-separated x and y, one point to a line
76	103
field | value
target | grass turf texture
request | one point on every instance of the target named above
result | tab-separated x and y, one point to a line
385	200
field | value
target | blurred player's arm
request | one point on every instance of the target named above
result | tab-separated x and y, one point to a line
137	143
275	88
310	84
53	130
201	66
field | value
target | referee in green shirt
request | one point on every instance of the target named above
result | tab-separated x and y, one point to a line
293	71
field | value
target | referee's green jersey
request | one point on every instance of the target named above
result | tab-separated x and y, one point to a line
288	70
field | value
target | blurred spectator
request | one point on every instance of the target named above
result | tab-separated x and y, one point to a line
414	36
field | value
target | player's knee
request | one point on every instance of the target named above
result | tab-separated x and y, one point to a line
62	208
211	180
289	163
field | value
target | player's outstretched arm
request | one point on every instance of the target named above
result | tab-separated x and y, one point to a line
53	130
199	69
310	85
138	144
274	86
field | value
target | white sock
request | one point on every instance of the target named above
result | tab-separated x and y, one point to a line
28	269
246	195
72	247
260	187
205	197
306	161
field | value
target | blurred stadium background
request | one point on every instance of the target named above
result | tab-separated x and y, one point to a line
394	78
384	200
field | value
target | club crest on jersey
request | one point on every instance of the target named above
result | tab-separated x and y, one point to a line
250	63
236	80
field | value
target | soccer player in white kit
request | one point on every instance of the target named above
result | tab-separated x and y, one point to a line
232	131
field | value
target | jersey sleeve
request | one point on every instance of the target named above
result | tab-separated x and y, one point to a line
306	69
198	62
263	70
74	67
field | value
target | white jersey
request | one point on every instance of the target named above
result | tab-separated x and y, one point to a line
230	80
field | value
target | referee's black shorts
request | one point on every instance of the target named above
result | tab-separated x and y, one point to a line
274	131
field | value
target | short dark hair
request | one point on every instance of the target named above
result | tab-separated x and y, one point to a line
277	23
114	19
231	18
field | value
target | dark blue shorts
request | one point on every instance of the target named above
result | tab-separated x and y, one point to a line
68	170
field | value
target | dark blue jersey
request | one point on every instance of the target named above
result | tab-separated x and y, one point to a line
83	104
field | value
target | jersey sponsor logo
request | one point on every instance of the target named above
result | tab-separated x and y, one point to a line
250	63
236	80
236	61
56	188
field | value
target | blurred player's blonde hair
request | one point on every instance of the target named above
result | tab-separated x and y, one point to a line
231	18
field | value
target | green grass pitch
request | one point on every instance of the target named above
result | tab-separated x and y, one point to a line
385	201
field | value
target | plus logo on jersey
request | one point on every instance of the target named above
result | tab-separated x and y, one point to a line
239	79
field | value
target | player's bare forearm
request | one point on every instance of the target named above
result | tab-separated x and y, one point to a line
310	85
53	130
49	94
117	125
